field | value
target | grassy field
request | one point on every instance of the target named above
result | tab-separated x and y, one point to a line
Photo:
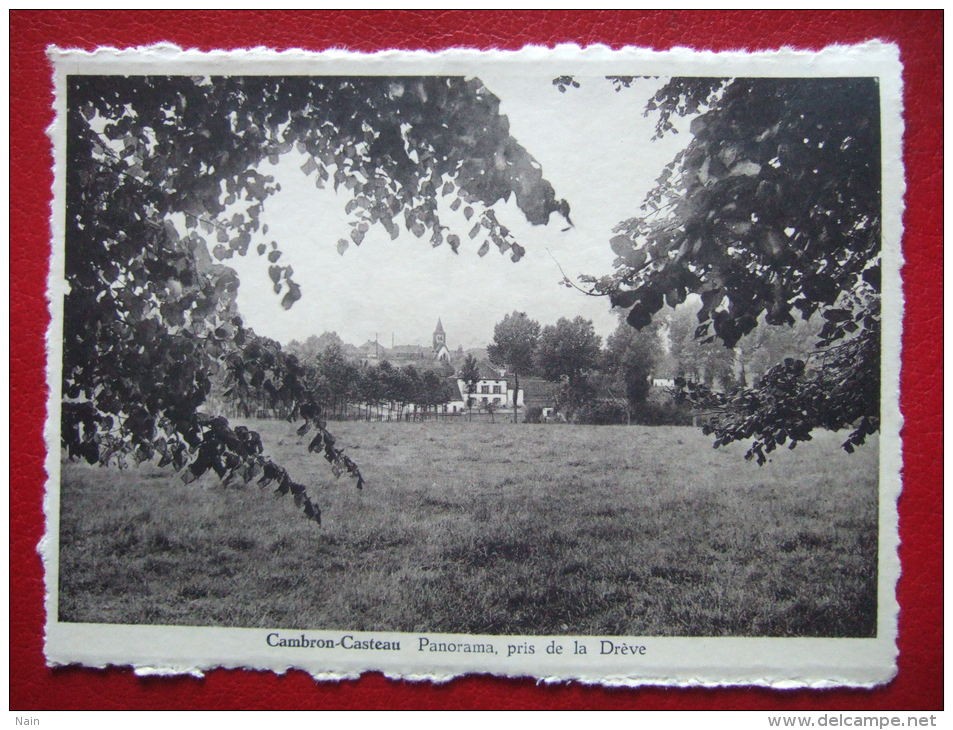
489	528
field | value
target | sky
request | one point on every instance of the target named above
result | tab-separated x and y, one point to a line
595	148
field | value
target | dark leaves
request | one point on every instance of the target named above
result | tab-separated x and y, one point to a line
793	398
565	82
871	275
291	296
620	245
309	166
821	288
198	154
639	316
317	444
311	511
624	298
837	315
771	210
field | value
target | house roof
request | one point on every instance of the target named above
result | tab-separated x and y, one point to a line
408	348
538	392
489	371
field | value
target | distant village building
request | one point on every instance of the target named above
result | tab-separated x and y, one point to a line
369	352
407	354
493	388
496	387
539	393
372	352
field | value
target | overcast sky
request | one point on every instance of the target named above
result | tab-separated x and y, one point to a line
594	147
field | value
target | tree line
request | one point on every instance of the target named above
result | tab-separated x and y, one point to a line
593	382
611	383
347	389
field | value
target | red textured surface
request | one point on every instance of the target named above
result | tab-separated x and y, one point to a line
919	35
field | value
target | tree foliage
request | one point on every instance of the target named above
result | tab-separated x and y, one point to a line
336	378
315	345
567	352
632	357
514	346
767	345
568	349
470	375
771	211
703	360
164	181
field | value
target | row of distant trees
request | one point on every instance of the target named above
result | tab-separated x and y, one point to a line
346	388
596	383
342	383
612	383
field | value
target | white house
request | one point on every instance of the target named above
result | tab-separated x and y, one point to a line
493	388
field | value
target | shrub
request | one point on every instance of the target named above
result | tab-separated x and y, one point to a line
660	409
534	414
601	413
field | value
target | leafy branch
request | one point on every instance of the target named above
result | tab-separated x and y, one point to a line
150	314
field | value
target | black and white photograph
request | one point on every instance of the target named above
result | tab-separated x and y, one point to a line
535	363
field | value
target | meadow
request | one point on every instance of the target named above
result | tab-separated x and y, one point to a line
489	528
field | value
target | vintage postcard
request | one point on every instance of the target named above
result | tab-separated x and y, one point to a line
573	364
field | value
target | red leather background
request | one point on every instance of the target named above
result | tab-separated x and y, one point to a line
919	35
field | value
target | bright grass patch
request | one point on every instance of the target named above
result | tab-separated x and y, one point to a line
492	529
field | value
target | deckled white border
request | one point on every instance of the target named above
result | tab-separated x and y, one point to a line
773	662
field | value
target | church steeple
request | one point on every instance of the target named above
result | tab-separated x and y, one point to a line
440	351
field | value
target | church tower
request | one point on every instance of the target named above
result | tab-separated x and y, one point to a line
440	351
